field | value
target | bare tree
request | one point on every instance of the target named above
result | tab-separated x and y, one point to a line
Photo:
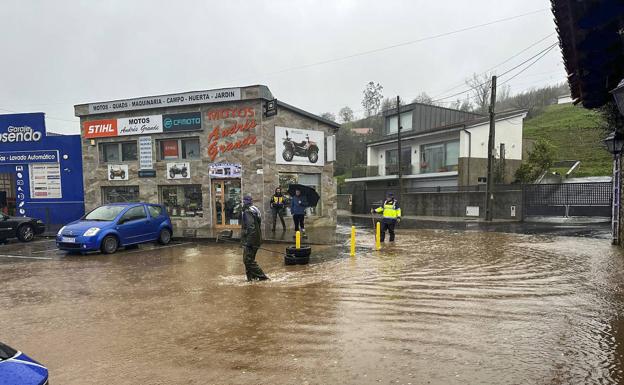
328	116
424	99
480	88
372	98
346	114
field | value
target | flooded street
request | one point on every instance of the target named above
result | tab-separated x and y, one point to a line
438	307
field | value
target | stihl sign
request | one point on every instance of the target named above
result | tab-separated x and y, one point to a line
100	128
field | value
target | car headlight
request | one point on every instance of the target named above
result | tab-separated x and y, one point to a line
91	232
61	230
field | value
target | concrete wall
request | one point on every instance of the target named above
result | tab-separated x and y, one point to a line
470	170
508	131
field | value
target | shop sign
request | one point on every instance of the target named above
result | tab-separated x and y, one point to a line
45	181
21	157
181	99
216	145
189	121
225	170
140	125
117	172
300	147
169	149
19	128
100	128
147	173
146	161
178	170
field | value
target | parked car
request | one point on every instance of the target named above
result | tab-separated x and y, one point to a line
111	226
16	368
23	228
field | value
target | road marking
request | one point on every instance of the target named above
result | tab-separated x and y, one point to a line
23	257
158	248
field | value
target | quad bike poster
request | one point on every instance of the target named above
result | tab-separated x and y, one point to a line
298	146
178	170
117	172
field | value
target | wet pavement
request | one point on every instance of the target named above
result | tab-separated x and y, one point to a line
440	306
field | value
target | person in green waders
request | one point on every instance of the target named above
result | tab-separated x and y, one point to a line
251	239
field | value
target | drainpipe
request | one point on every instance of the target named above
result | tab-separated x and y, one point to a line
469	151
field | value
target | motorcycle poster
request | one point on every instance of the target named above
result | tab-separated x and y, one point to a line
300	147
178	170
117	172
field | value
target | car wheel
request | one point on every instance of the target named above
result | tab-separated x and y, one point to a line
164	237
109	244
26	233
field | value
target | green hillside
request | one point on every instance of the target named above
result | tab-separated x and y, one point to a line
576	134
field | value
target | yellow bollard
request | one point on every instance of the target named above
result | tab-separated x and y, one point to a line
353	241
298	240
378	237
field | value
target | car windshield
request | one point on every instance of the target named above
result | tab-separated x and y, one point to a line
6	352
104	213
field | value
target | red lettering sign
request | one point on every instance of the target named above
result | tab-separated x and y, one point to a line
100	128
231	113
169	149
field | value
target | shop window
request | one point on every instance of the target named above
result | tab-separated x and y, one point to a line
310	180
439	157
120	194
118	152
173	149
182	200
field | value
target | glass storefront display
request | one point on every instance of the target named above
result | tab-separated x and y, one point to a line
182	200
120	194
227	202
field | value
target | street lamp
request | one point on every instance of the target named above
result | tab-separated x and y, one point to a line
618	95
614	143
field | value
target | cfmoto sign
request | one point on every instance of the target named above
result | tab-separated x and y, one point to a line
190	121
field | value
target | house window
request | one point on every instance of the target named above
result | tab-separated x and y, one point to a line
310	180
439	157
173	149
406	123
118	152
120	194
392	161
182	200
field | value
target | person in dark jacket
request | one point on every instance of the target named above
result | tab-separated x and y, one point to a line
278	205
298	205
251	238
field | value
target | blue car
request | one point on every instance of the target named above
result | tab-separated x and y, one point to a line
16	368
111	226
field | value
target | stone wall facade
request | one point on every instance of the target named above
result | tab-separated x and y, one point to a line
260	173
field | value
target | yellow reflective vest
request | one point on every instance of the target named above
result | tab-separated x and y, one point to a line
277	201
390	209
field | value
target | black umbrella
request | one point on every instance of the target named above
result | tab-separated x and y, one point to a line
309	193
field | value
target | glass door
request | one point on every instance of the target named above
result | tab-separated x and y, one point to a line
227	202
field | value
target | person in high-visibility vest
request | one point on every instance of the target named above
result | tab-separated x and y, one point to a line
278	206
391	216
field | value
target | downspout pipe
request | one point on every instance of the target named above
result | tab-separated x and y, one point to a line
469	152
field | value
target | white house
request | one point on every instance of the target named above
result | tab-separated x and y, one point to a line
441	147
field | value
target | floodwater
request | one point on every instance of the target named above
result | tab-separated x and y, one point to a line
437	307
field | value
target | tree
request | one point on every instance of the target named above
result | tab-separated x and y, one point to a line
480	88
423	98
328	116
346	114
612	117
372	98
539	160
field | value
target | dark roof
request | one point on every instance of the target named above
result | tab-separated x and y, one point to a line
308	114
458	126
411	106
593	50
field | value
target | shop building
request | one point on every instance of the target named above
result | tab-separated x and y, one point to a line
40	173
199	152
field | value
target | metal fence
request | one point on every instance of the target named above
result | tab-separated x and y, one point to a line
568	199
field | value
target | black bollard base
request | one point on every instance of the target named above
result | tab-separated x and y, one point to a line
296	256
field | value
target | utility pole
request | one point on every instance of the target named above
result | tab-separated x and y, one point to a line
398	105
489	193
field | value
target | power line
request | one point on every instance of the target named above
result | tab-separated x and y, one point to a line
47	117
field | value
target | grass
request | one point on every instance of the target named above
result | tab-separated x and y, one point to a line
576	134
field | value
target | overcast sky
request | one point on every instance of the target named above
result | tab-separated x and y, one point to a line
60	53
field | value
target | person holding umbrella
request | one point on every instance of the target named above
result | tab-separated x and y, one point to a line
302	198
391	216
251	239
